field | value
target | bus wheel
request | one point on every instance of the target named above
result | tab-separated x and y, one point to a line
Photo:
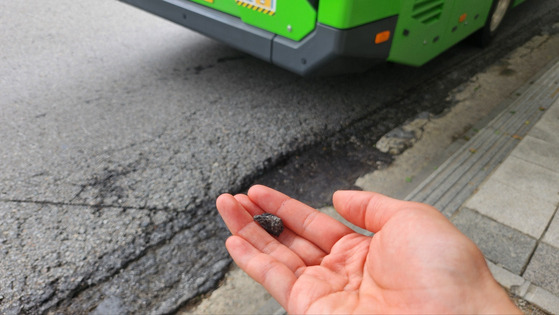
497	13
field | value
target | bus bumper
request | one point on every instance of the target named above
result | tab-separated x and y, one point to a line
325	51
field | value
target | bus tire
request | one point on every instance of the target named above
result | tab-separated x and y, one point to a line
499	9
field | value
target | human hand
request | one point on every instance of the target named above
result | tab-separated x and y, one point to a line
416	262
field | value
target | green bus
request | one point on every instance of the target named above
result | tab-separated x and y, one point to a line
315	37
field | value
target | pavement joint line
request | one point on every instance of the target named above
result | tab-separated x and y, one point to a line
523	289
539	241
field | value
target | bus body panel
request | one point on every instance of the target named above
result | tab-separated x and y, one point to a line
311	37
427	28
329	50
212	23
351	13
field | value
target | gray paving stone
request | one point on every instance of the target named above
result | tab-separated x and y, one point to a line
538	152
506	278
531	178
551	236
543	269
543	298
512	206
546	128
499	243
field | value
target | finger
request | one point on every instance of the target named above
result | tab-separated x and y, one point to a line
367	210
241	223
233	214
277	278
306	250
249	205
306	222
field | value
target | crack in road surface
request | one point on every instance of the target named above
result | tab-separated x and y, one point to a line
115	218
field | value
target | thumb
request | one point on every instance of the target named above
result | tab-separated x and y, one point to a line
368	210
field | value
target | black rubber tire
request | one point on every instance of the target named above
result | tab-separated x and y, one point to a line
484	36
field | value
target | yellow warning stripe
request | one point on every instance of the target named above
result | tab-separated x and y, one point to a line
254	7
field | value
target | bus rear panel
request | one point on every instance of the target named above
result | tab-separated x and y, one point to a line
318	37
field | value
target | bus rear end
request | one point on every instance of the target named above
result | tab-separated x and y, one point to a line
315	37
308	37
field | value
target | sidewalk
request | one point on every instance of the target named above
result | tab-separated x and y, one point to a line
502	190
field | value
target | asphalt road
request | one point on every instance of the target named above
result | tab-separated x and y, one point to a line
119	129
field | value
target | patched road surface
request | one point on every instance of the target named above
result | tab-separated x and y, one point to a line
119	130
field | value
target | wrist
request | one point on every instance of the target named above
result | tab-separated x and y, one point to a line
495	300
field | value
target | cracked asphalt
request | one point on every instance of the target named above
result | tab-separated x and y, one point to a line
119	129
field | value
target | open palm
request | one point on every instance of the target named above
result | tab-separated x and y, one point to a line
417	261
